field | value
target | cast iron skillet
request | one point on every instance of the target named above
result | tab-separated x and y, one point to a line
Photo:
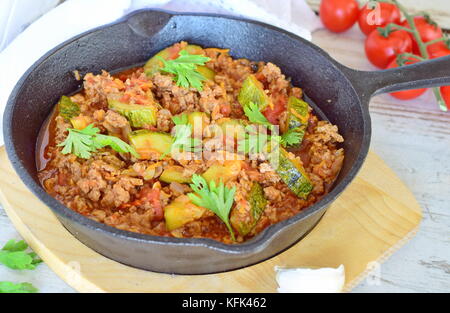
337	93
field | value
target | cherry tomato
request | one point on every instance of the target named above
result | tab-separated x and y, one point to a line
446	94
438	51
407	94
427	31
381	50
384	13
339	15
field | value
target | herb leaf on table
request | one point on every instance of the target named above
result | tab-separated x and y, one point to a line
13	255
9	287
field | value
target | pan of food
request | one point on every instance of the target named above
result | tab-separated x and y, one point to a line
194	143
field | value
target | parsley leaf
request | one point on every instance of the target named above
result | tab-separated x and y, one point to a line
185	69
257	142
183	135
219	199
181	119
83	142
292	137
255	116
115	143
9	287
13	255
79	142
254	142
13	246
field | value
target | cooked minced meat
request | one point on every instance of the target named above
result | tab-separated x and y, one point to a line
149	194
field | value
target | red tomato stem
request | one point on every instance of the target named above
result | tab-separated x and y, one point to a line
410	55
390	28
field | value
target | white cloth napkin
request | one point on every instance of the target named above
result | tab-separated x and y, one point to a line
16	15
73	17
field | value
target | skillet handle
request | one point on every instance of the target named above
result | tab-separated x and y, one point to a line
432	73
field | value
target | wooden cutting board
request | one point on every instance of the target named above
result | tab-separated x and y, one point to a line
375	216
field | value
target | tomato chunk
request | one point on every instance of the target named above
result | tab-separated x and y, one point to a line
279	106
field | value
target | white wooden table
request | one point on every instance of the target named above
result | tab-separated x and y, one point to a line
413	137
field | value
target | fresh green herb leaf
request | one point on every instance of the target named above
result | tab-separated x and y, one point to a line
185	69
257	142
9	287
115	143
183	135
181	119
80	142
292	137
255	116
254	142
183	139
13	255
83	142
219	199
18	260
13	246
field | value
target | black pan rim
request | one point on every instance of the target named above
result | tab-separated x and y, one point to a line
259	242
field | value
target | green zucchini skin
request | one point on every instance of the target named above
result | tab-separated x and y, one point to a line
67	108
298	116
244	219
252	90
137	115
294	175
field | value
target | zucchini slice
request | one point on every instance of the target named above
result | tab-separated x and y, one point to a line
252	90
231	128
199	121
180	212
208	73
80	122
137	115
225	172
293	174
146	143
67	108
247	213
194	49
175	174
154	64
298	115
